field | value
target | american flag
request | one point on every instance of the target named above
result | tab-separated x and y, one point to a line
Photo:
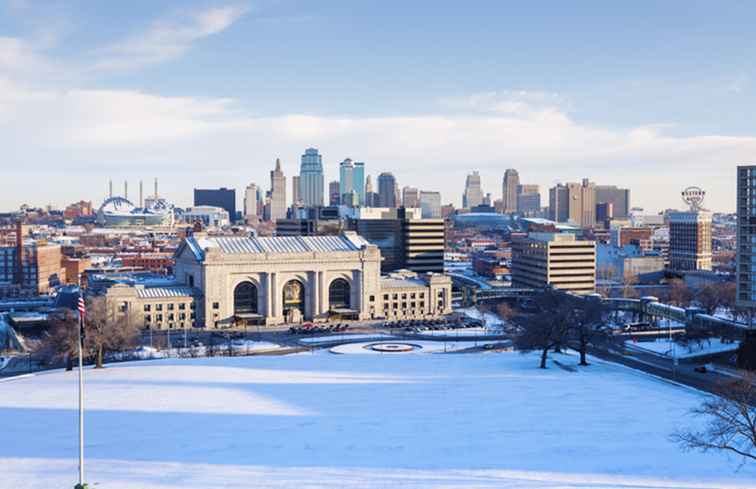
82	307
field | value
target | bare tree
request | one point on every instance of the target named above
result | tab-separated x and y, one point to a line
62	342
710	298
731	421
586	324
680	294
548	328
107	332
628	287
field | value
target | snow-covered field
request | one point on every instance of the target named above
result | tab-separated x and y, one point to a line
694	349
356	421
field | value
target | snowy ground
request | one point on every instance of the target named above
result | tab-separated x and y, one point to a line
490	320
343	337
356	421
363	348
694	349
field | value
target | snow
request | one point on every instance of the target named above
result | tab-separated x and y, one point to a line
420	347
664	347
461	332
490	319
344	337
319	420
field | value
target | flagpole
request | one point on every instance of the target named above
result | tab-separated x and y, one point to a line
81	407
82	313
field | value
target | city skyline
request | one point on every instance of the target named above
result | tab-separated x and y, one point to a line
153	99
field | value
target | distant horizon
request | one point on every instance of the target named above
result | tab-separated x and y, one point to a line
647	96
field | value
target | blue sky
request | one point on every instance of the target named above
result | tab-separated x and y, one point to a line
651	95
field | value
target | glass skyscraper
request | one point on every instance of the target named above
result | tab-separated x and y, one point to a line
311	181
358	181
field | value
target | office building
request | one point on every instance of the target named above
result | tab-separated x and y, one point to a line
334	193
221	197
473	195
405	241
387	190
410	197
371	196
251	203
311	180
573	202
510	192
746	236
358	181
619	198
296	197
277	193
558	260
690	240
430	204
346	178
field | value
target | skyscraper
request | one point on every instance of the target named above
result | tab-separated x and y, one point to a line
430	204
277	193
334	194
410	197
311	178
221	197
346	178
358	181
618	197
473	195
509	190
387	190
296	197
575	202
371	198
746	254
528	200
251	199
690	240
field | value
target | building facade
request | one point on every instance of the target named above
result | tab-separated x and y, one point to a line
410	197
277	193
690	240
746	236
509	192
311	180
558	260
234	281
387	190
473	195
573	202
618	197
251	203
221	197
430	204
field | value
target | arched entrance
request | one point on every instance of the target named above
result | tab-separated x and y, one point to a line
245	299
339	294
293	297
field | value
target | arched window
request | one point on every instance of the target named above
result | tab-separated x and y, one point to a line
294	296
339	294
245	298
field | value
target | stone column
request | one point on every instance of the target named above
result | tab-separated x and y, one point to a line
266	292
356	292
272	296
321	293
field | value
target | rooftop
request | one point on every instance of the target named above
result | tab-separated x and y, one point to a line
279	244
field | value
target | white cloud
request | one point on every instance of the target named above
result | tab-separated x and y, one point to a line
72	141
167	39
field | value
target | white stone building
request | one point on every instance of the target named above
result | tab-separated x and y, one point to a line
244	280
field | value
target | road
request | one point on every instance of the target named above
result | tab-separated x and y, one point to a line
683	373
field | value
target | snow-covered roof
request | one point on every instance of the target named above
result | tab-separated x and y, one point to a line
160	292
280	244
